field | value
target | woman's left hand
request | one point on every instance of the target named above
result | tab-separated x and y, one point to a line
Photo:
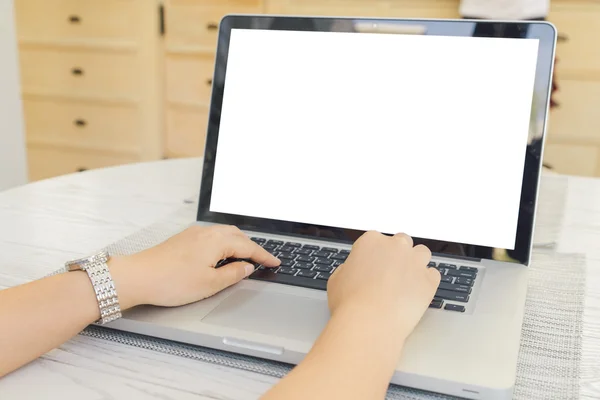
182	269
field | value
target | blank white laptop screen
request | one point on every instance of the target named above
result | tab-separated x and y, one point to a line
395	133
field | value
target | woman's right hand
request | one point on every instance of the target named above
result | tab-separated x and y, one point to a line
385	275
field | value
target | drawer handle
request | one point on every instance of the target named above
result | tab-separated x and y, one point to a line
212	27
74	19
80	122
209	82
77	71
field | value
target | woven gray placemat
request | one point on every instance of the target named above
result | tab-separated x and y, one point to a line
550	353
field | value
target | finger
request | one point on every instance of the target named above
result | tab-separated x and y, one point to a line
404	238
231	274
434	275
422	254
243	247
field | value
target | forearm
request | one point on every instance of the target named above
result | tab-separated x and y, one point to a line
354	358
43	314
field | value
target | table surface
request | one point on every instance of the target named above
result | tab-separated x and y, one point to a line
46	223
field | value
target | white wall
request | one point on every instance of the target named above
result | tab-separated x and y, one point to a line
13	170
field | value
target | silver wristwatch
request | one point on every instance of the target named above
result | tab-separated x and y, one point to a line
104	287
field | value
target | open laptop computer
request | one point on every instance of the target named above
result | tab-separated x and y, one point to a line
322	128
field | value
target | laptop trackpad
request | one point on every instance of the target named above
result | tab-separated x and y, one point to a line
284	315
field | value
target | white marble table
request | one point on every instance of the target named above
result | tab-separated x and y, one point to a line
45	223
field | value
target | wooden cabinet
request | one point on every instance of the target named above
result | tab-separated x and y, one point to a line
190	45
131	80
91	78
573	141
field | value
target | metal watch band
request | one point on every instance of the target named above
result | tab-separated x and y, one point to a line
97	269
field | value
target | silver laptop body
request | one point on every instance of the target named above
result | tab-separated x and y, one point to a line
470	353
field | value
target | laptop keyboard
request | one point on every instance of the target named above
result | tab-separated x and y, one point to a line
311	266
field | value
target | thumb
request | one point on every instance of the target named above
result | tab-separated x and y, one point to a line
231	274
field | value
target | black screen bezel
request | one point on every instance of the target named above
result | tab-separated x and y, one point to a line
533	161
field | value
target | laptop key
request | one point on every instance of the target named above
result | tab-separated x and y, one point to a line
286	271
303	252
307	274
329	249
286	263
269	275
323	261
451	295
344	251
464	281
321	253
286	256
455	288
454	307
275	242
436	303
274	251
336	263
258	240
341	257
323	276
287	249
472	269
293	244
305	259
447	279
310	247
269	246
461	274
303	265
431	264
446	265
322	268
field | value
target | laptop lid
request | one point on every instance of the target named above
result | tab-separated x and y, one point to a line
328	127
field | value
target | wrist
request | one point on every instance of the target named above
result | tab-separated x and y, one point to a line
386	320
127	281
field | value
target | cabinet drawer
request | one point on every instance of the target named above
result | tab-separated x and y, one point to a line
106	127
189	78
572	159
194	25
47	162
186	131
577	116
47	20
580	23
79	73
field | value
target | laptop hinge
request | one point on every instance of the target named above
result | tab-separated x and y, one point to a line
456	257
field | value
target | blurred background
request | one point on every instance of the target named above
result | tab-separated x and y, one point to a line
109	82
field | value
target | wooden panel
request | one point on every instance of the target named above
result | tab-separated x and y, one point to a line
189	24
189	79
105	127
572	159
580	23
81	19
186	131
577	118
365	8
368	8
47	162
79	73
425	9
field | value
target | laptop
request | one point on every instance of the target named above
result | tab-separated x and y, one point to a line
323	128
